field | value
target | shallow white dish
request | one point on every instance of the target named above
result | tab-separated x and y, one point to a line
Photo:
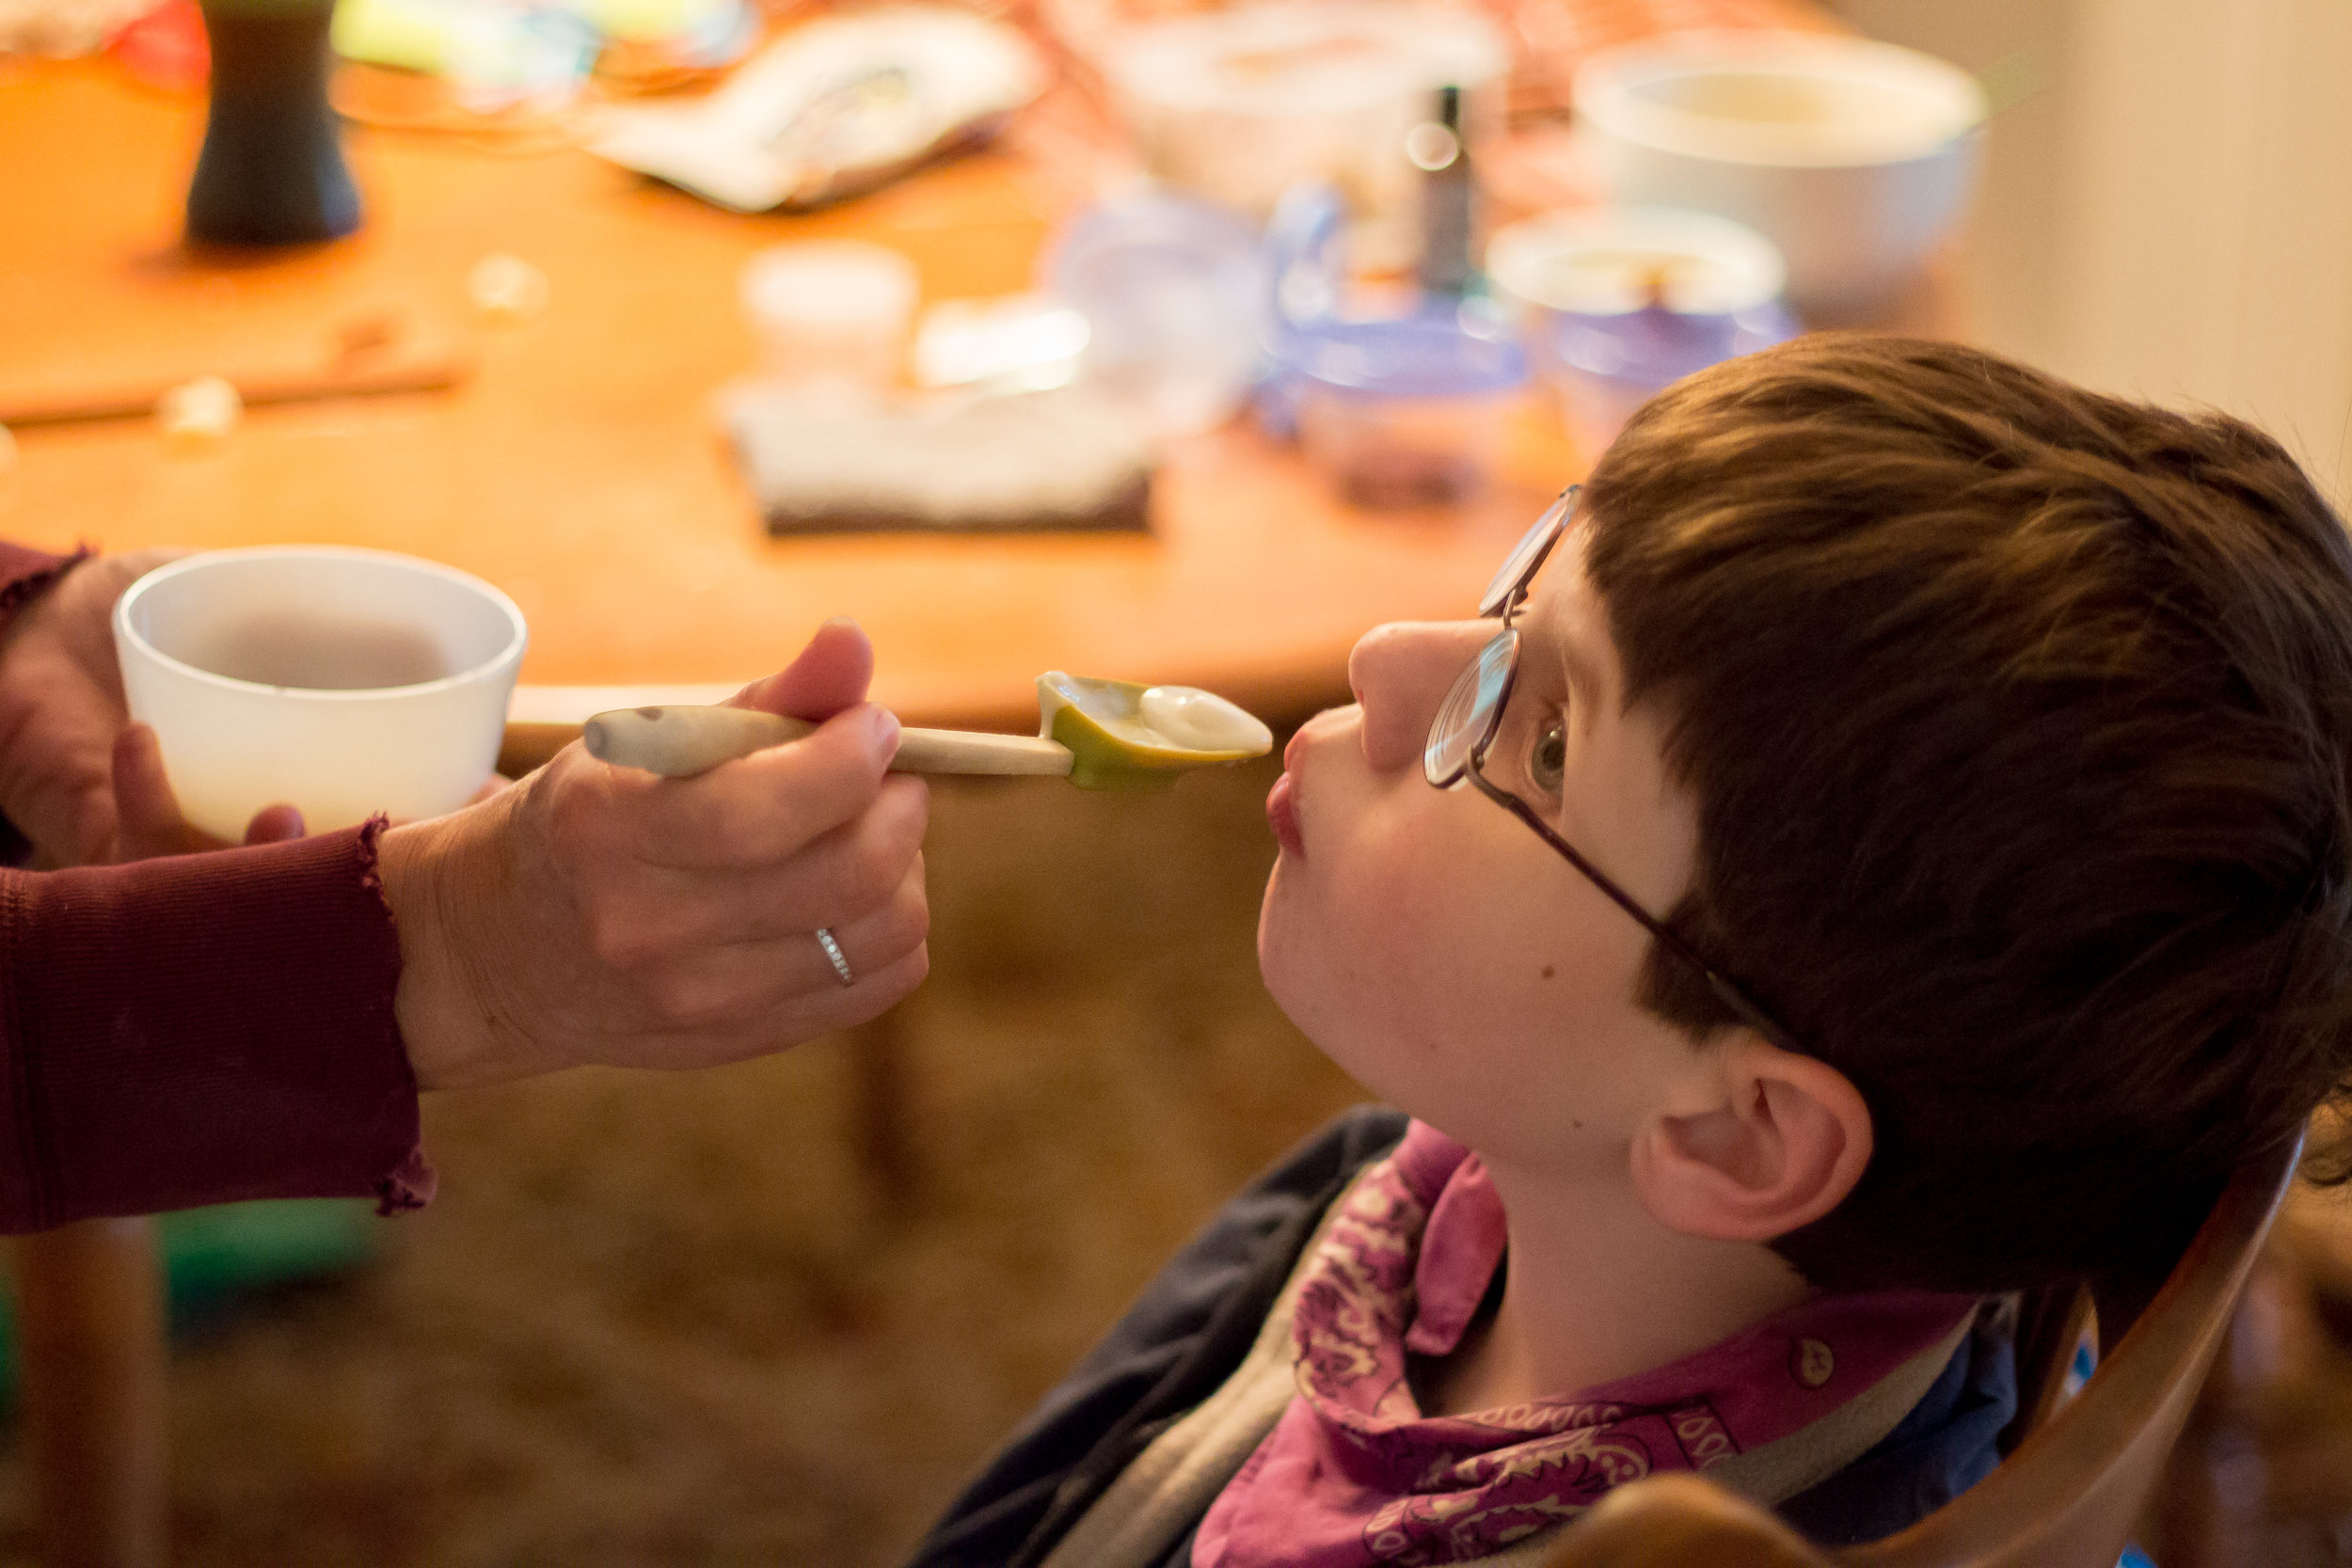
1241	105
343	682
1856	159
1600	261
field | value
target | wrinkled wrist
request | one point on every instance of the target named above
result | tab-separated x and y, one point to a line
442	879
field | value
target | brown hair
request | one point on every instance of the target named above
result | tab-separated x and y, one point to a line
2019	720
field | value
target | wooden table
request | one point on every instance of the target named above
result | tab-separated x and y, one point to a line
579	467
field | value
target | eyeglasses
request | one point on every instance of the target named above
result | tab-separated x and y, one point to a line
1472	716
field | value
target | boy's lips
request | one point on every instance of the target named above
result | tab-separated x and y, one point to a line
1282	802
1281	815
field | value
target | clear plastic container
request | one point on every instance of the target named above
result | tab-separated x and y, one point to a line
830	314
1407	413
1173	290
344	682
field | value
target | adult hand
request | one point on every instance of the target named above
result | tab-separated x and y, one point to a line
594	913
76	776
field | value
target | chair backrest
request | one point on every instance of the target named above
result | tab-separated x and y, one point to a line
2050	1324
2070	1495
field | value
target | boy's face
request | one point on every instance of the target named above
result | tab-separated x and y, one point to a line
1432	946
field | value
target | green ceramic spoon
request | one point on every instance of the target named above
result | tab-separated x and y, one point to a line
1100	734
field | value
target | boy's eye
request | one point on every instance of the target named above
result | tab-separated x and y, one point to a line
1549	757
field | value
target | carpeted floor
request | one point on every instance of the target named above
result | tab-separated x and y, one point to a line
674	1320
659	1319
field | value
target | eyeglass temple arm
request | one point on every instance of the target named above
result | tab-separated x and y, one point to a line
1729	994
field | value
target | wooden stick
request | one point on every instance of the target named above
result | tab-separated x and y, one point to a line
138	401
978	751
680	742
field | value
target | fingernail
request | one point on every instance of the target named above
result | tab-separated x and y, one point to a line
849	621
885	731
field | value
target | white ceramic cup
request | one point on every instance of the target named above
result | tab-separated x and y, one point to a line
344	682
1855	158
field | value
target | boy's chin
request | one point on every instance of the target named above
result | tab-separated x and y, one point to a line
1314	992
1294	972
1289	969
1304	989
1269	920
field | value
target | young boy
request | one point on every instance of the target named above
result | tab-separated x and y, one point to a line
1929	879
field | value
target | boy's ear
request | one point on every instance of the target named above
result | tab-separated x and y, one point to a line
1763	1141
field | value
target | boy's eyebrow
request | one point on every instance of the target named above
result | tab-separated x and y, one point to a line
1584	680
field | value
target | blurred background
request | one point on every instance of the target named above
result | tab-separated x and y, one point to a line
629	373
2167	202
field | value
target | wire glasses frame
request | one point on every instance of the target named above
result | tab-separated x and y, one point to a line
1470	717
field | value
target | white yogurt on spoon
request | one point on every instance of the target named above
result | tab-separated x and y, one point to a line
1189	719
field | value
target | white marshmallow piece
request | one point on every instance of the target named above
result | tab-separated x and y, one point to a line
505	287
197	416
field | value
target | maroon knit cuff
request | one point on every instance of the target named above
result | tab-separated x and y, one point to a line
201	1029
411	1186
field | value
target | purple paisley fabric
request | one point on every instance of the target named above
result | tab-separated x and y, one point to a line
1353	1476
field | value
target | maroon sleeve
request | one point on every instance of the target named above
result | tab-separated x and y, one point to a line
201	1029
26	571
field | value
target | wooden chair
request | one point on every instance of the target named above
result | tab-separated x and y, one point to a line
2070	1494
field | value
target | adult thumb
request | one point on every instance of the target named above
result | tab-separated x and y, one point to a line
830	675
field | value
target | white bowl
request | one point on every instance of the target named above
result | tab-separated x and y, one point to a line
1614	303
1599	261
344	682
1855	158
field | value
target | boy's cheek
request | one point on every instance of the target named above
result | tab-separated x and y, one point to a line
1341	939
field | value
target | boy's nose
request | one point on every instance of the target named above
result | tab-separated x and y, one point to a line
1399	673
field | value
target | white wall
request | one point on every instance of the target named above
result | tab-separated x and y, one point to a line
2168	208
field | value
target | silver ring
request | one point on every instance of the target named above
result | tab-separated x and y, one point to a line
832	951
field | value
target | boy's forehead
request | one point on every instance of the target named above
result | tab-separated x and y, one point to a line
1565	625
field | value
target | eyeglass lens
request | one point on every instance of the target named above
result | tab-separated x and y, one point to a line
1468	718
1471	714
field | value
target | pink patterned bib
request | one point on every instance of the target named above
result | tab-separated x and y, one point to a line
1353	1476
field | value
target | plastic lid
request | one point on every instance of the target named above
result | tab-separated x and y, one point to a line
1425	355
1115	250
1652	348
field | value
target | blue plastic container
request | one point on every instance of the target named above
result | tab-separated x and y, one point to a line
1408	412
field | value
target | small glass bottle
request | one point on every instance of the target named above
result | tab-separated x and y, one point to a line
272	170
1449	199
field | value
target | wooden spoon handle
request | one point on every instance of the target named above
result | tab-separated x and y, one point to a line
679	741
978	751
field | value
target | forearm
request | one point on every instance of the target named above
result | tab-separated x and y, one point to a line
201	1029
